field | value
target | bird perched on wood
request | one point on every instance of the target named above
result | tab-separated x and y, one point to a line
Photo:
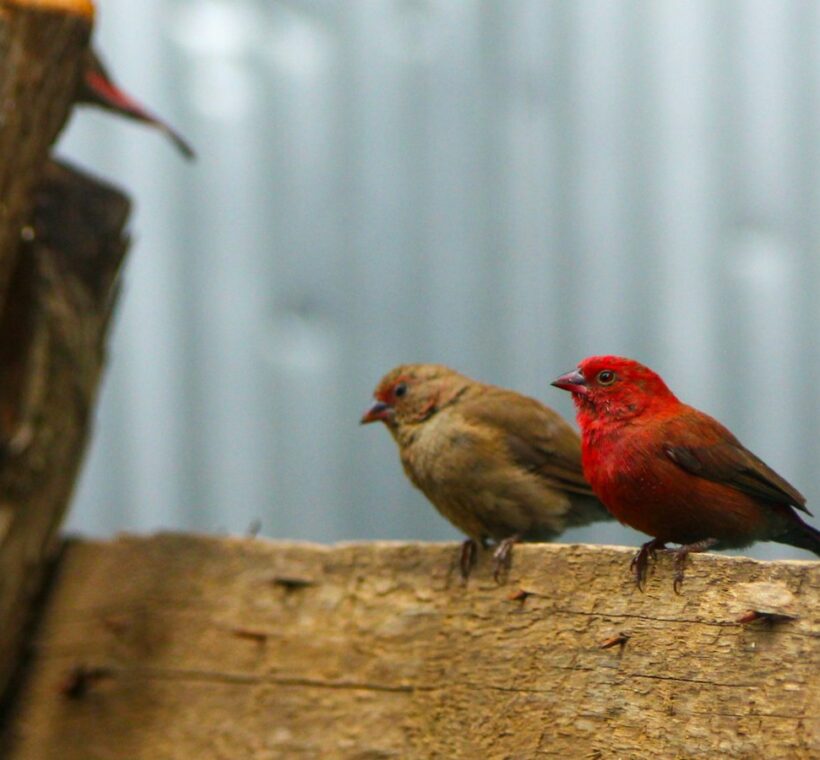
496	464
97	88
672	471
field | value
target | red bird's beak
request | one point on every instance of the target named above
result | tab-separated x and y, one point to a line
574	382
379	412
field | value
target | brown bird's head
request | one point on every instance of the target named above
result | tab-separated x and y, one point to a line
412	393
614	387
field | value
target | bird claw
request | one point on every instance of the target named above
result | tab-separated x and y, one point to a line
680	561
502	557
640	562
682	552
467	559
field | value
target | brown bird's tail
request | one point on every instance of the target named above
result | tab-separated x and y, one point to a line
803	536
586	510
583	511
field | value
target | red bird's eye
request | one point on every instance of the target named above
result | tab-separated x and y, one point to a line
605	377
400	390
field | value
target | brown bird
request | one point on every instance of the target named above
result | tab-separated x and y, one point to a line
496	464
97	88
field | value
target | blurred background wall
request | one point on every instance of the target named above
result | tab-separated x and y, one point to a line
502	187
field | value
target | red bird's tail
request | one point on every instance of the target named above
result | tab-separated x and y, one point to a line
803	536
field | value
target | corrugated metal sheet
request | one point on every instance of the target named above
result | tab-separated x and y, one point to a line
504	187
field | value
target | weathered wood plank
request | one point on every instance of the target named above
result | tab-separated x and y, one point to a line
229	648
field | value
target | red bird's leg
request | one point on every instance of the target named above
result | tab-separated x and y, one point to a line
469	552
682	552
640	561
502	556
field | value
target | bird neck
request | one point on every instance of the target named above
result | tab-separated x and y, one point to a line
611	410
409	425
601	422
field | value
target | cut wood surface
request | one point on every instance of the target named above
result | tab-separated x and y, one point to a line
183	647
76	7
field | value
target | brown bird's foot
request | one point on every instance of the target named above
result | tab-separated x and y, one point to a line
682	552
467	559
640	561
502	557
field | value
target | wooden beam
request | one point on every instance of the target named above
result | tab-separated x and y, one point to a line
180	647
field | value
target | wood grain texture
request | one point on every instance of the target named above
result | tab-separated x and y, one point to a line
61	245
41	54
52	352
242	648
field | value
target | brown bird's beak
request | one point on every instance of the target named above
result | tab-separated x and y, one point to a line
379	412
574	382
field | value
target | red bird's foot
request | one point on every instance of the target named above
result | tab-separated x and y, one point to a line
469	553
682	552
502	557
640	561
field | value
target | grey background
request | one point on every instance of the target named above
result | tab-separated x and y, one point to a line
505	187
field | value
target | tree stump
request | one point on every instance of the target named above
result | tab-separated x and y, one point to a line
61	247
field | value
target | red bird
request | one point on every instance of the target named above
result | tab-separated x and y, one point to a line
672	471
97	88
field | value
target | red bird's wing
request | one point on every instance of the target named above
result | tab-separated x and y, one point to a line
538	439
727	461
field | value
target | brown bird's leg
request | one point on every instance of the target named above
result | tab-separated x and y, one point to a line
640	561
502	556
682	552
469	552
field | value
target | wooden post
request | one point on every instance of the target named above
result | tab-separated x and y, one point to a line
61	247
180	647
41	45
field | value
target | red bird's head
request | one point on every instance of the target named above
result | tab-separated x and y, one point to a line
614	388
411	393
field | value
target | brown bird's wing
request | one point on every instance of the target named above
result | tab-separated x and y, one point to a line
538	439
708	450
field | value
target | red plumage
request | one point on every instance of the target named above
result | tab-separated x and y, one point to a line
673	472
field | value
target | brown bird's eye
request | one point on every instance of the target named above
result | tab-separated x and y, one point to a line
606	377
400	390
